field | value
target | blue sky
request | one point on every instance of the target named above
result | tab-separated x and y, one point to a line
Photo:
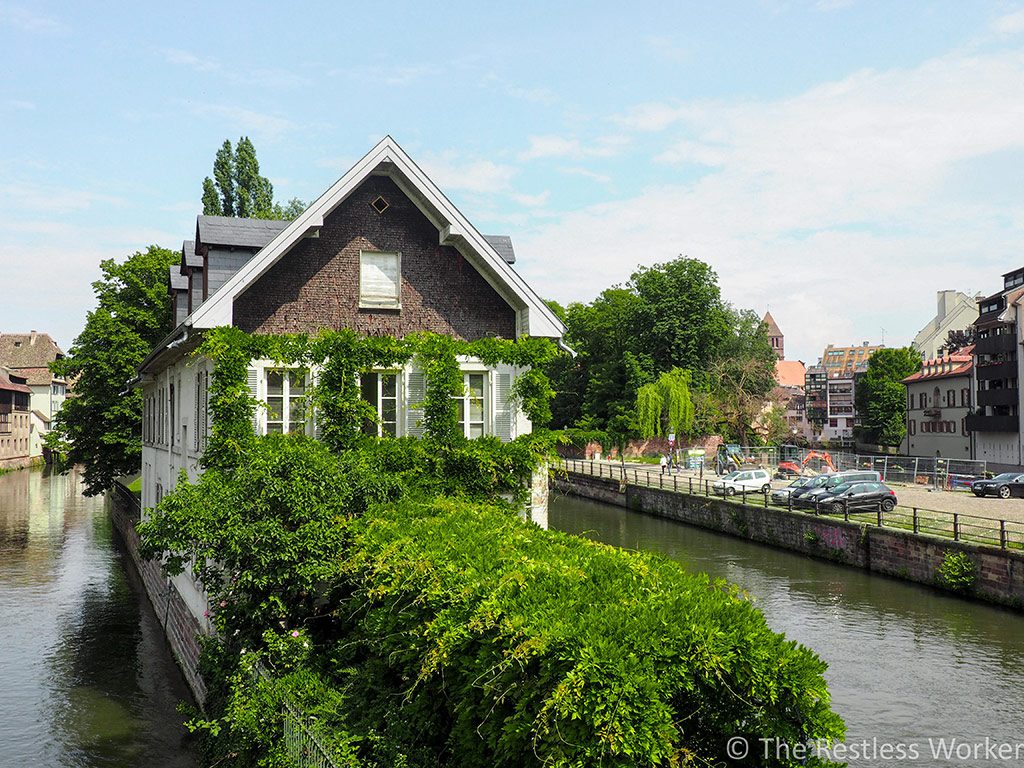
838	162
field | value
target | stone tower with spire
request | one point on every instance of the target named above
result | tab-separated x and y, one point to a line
775	336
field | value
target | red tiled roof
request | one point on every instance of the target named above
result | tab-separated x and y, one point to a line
960	363
789	373
10	386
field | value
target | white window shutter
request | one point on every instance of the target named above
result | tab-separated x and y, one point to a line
254	392
503	406
416	393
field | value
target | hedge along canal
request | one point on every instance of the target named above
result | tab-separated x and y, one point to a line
906	663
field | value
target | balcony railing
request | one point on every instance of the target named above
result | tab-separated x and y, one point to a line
1003	342
1002	370
978	423
998	396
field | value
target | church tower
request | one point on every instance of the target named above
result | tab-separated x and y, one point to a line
775	336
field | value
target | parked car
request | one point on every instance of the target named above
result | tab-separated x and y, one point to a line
781	495
858	497
850	476
816	482
1004	486
750	480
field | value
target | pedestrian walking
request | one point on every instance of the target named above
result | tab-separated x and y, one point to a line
664	463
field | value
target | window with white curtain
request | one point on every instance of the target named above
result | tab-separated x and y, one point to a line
380	279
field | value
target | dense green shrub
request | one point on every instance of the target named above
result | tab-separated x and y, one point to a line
446	631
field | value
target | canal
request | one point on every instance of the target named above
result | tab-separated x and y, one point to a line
87	677
908	666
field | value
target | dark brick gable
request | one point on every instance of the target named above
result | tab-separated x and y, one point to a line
316	284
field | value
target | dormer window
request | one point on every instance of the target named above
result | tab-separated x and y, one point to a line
380	280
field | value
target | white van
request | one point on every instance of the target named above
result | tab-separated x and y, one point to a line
750	480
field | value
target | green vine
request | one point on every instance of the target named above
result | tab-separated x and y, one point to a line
339	357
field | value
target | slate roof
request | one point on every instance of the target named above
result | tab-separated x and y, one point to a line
179	282
28	350
230	231
189	257
503	245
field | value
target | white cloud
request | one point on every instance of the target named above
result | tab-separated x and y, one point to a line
1010	24
559	146
841	202
244	121
532	201
21	105
448	171
29	20
587	174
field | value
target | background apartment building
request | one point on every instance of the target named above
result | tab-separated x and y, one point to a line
955	311
831	387
939	399
29	355
995	420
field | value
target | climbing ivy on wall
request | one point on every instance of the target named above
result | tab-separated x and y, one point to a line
339	357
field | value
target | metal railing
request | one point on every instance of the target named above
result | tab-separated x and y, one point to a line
302	745
976	529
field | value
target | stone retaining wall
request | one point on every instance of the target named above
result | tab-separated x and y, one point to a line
892	552
180	626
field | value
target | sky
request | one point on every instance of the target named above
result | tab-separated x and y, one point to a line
835	161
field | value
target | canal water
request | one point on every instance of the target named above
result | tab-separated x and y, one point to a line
85	675
910	669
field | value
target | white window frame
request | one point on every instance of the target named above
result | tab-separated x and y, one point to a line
286	398
379	398
485	402
371	301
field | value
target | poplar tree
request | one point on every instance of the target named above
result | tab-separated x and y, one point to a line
239	189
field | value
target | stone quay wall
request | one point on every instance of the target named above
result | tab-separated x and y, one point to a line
891	552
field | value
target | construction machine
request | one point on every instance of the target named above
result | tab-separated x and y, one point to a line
730	458
793	469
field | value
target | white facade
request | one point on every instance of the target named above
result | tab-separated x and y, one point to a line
937	409
955	311
177	420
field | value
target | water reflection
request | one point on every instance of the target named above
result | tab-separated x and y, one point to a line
89	679
906	663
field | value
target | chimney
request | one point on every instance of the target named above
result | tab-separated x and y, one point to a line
32	340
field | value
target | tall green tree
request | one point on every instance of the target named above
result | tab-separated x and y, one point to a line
239	189
100	427
881	398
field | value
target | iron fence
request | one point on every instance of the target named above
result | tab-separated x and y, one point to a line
302	745
976	529
933	471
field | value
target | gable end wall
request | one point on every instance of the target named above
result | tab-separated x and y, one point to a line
316	284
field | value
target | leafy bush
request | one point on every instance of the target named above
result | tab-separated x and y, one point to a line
957	571
444	630
496	643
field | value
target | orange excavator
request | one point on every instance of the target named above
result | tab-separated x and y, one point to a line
792	469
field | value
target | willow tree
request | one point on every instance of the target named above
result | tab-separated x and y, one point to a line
665	406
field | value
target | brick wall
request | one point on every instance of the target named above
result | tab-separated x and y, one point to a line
316	285
896	553
180	625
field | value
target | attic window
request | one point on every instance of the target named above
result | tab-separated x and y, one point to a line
380	204
380	280
17	344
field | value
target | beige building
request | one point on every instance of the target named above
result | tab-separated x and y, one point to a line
939	399
955	311
29	355
15	425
